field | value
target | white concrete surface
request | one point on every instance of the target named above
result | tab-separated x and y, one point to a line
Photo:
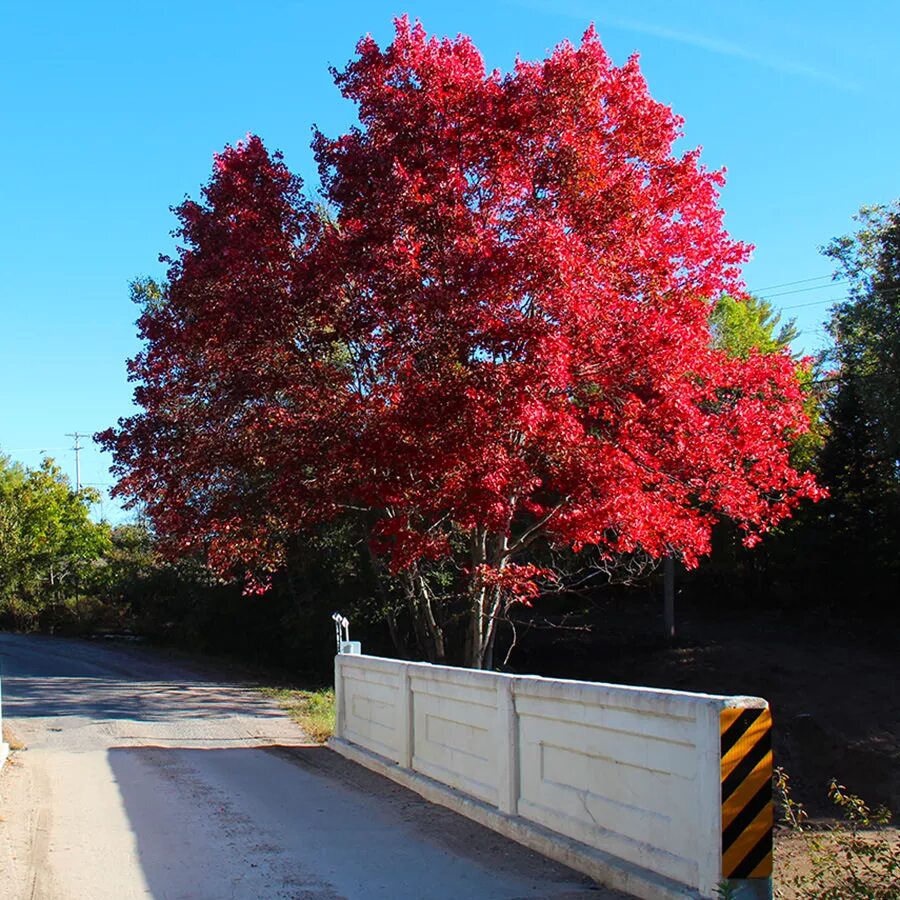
4	746
631	774
148	777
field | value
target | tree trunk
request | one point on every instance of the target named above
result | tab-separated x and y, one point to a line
435	632
429	634
475	641
484	601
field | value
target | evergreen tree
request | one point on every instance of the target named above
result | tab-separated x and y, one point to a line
861	461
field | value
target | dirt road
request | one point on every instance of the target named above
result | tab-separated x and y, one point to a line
143	777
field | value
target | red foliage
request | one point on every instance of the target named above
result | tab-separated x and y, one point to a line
514	581
503	330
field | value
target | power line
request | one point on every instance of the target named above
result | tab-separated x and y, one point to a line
829	379
36	449
818	287
813	303
879	291
760	293
773	287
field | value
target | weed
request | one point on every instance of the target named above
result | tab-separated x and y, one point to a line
851	859
726	890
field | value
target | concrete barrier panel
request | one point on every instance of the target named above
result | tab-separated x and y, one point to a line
455	734
371	698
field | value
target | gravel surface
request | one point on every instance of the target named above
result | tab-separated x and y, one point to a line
145	776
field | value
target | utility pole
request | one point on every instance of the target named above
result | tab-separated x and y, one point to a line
77	448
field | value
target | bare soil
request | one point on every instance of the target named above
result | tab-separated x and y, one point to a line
794	872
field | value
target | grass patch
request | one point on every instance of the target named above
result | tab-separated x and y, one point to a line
313	711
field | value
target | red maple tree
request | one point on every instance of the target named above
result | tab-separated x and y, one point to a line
496	338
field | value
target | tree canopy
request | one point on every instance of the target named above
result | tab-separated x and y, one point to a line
865	354
47	539
498	336
861	461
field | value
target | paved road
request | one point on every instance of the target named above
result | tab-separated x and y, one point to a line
146	777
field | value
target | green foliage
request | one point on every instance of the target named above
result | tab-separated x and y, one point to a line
861	461
178	601
864	407
852	859
148	294
807	447
726	890
775	573
49	547
741	326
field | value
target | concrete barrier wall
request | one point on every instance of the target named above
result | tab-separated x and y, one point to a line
625	778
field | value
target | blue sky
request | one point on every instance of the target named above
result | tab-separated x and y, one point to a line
112	112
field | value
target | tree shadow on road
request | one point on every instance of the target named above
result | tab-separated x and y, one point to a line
143	700
287	822
54	677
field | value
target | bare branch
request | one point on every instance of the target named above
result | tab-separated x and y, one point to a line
530	533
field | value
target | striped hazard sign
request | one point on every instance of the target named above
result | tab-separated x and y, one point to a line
747	816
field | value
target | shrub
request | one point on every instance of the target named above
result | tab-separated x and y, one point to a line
852	858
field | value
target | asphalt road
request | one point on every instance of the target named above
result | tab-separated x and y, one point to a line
145	776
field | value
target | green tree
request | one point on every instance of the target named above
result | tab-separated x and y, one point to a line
48	543
741	326
864	405
861	461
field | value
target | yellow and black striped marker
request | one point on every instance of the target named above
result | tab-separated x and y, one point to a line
747	816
